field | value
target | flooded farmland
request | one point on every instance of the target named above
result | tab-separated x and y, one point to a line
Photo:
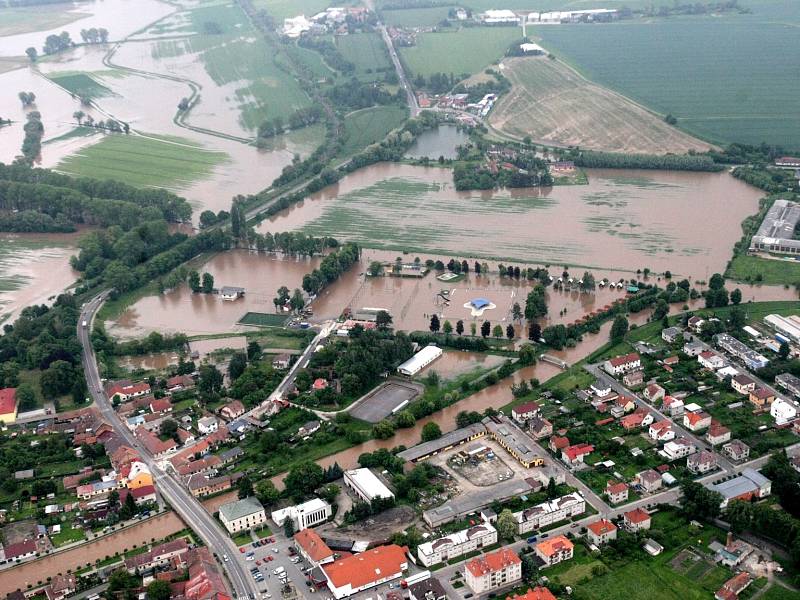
33	268
622	220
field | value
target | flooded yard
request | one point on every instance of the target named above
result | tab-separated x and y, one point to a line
622	220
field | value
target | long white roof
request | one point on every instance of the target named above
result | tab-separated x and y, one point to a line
420	359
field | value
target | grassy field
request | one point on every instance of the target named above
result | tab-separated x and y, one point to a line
764	270
263	319
311	60
143	161
421	17
776	592
690	67
550	101
81	85
34	18
370	125
367	52
461	52
281	9
241	60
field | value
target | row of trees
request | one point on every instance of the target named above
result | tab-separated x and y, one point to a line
669	162
302	117
331	268
32	142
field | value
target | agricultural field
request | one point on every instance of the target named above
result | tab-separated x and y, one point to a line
367	52
551	102
416	17
763	270
263	319
25	19
81	84
143	161
281	9
461	52
370	125
691	68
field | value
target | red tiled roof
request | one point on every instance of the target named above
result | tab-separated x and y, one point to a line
602	526
637	516
526	408
616	488
128	388
143	492
660	426
8	400
362	569
20	549
312	545
489	563
618	361
559	442
577	450
537	593
554	545
160	405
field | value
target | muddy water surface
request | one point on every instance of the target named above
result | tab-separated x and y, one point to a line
623	219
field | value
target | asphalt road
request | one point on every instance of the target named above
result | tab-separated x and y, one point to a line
183	503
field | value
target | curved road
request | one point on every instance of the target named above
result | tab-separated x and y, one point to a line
182	502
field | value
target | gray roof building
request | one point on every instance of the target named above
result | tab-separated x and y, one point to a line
776	233
240	508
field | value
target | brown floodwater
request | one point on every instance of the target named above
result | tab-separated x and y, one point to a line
454	363
206	347
38	571
33	269
149	362
622	220
197	314
120	17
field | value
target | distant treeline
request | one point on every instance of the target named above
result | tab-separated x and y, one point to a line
669	162
39	200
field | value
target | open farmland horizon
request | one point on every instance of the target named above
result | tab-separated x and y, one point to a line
552	103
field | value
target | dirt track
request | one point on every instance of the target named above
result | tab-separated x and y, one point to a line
551	102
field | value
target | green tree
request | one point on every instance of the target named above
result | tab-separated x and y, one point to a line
303	479
473	329
297	301
619	328
486	328
169	428
26	397
510	331
159	590
551	491
253	350
383	319
384	430
237	365
210	379
32	53
266	492
434	326
194	281
288	528
459	327
57	379
506	525
497	331
783	351
527	354
431	431
405	419
245	487
208	283
736	296
699	502
516	312
447	328
375	268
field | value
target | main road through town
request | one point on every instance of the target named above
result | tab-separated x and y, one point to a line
182	502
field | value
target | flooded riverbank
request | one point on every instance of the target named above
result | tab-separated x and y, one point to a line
33	269
623	219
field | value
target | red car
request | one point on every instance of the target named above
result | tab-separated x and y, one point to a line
270	559
242	549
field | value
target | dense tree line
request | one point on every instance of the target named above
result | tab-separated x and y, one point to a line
669	162
458	342
56	43
173	207
32	142
331	267
472	176
355	95
329	52
773	181
302	117
94	35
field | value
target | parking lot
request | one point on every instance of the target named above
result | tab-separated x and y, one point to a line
380	403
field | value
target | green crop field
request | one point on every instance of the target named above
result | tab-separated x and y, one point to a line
420	17
81	84
729	78
461	52
370	125
34	18
764	270
281	9
312	61
367	52
143	161
263	319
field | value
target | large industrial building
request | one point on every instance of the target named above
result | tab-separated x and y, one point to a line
419	361
366	485
776	233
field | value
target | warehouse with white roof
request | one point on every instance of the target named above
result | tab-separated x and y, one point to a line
419	361
366	485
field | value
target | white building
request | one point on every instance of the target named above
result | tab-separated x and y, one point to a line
550	512
419	361
500	17
677	449
491	571
305	515
456	544
783	411
366	485
788	326
622	364
242	514
294	27
207	425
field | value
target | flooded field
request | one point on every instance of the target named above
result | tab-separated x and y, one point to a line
33	268
202	348
149	362
453	363
198	314
623	220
